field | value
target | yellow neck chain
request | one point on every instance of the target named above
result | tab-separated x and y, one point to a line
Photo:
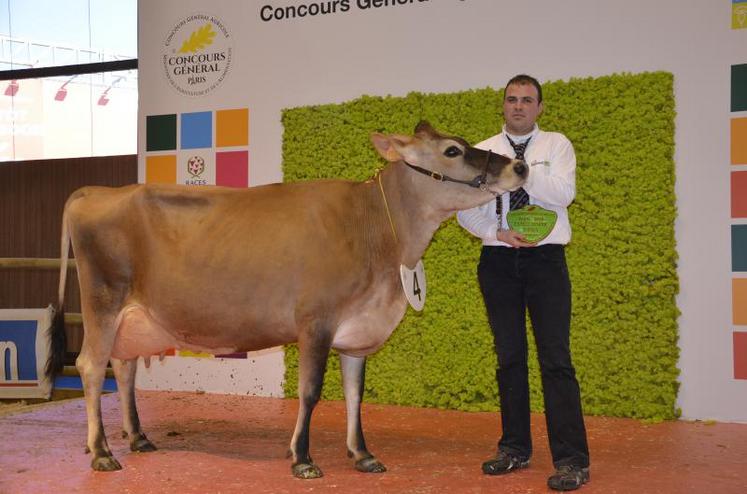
386	205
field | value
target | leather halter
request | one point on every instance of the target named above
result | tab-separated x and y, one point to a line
479	182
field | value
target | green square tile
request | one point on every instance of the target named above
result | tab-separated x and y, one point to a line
739	87
160	132
739	248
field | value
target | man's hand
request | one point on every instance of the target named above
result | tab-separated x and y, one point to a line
513	238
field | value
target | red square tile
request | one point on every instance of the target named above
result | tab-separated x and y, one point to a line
740	355
739	194
232	168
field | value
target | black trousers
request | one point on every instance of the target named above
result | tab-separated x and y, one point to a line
534	279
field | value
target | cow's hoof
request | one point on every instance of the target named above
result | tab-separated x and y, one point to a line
105	464
306	471
370	465
143	445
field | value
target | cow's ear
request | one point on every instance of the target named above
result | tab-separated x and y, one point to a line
390	147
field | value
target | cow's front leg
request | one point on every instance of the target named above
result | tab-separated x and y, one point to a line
124	371
313	349
353	378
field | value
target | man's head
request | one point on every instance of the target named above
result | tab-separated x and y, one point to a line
522	104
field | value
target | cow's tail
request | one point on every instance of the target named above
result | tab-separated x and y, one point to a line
57	338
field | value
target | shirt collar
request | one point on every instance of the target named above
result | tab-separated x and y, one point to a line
524	138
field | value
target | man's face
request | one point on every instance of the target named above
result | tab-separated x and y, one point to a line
521	107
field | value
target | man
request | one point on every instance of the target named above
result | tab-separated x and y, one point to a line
515	276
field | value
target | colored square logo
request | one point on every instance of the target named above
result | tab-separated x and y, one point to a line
739	248
739	194
196	130
739	87
196	167
18	351
740	355
232	168
160	169
232	128
739	141
739	301
160	132
738	14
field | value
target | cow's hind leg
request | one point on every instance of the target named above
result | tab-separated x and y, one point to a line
313	352
124	371
353	378
97	345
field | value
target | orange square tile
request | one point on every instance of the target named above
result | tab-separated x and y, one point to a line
160	169
739	301
232	127
739	141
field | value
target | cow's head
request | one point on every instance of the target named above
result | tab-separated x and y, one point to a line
465	176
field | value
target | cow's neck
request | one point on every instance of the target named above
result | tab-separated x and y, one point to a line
414	218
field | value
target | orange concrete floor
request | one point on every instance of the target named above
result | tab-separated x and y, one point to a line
230	444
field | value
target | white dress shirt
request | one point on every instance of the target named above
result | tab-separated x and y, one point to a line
551	184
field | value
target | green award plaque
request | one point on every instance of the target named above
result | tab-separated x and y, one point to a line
534	222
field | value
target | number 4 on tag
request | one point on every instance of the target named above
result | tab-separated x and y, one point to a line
413	282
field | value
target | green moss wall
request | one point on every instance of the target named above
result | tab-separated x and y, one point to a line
622	257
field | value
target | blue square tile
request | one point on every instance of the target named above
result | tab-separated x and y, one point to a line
197	130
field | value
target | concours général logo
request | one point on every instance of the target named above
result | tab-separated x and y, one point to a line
197	54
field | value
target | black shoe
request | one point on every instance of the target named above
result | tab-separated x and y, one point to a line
504	463
568	478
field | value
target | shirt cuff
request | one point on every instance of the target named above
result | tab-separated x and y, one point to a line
493	231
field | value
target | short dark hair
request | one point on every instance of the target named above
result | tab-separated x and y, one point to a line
525	79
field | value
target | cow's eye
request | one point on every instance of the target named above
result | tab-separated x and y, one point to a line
452	152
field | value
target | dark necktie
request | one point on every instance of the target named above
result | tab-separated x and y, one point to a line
518	198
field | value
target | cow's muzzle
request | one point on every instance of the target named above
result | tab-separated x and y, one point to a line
521	169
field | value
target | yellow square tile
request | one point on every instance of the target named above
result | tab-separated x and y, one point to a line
739	301
160	169
232	127
739	141
739	15
187	353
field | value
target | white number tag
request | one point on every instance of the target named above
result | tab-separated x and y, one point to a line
413	282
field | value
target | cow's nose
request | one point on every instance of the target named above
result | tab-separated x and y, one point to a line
521	169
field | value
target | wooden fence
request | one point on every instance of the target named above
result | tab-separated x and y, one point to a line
32	197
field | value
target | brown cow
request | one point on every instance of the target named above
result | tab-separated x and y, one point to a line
316	263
